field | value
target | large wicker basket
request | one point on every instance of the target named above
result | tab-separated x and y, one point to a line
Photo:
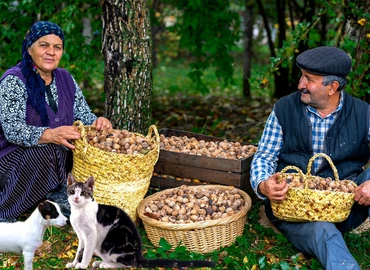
121	180
305	204
201	237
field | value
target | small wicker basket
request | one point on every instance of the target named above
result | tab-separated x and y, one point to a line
304	204
201	237
121	180
365	226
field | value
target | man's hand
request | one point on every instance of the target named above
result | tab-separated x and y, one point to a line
272	189
362	193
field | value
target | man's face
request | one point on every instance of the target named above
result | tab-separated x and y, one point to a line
313	92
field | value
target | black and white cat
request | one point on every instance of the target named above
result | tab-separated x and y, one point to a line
110	233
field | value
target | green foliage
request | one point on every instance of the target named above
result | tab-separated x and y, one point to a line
285	55
359	47
172	79
208	34
82	57
359	244
355	41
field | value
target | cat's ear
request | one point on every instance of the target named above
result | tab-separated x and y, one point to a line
71	179
90	182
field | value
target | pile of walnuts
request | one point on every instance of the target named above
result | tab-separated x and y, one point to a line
184	205
119	141
319	183
217	149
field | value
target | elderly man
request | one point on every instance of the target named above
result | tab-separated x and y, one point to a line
319	118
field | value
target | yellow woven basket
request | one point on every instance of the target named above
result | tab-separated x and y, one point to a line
304	204
201	237
121	180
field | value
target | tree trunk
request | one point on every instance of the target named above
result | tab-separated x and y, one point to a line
263	14
282	87
249	19
86	22
157	28
270	41
126	45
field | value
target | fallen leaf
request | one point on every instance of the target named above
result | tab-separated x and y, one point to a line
44	248
361	21
12	261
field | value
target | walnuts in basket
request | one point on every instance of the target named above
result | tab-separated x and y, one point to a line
184	205
218	149
119	141
319	183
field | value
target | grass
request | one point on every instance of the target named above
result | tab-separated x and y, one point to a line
258	248
173	79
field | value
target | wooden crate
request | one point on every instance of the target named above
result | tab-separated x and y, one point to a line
205	169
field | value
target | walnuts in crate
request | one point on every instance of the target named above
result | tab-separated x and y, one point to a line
319	183
119	141
218	149
184	205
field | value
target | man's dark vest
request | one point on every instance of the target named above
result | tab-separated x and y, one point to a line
345	142
64	115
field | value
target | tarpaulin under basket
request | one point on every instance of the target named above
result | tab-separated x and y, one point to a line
202	236
305	204
121	180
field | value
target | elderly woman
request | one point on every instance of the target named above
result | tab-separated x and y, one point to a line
38	104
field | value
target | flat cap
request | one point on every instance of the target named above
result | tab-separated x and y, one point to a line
325	61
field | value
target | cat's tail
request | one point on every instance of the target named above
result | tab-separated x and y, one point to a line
170	263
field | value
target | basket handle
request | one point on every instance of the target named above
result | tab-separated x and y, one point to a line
310	162
78	123
81	129
280	179
153	129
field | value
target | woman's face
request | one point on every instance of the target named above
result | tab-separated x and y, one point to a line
46	53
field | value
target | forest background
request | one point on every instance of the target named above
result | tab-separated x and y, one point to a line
214	67
244	50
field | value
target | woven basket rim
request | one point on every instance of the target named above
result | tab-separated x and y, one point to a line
196	225
309	175
87	146
326	191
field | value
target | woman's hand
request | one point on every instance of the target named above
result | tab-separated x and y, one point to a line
102	123
61	135
272	189
362	193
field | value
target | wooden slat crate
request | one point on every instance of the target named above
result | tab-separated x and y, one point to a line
223	171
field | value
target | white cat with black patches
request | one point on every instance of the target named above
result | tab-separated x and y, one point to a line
26	236
109	232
